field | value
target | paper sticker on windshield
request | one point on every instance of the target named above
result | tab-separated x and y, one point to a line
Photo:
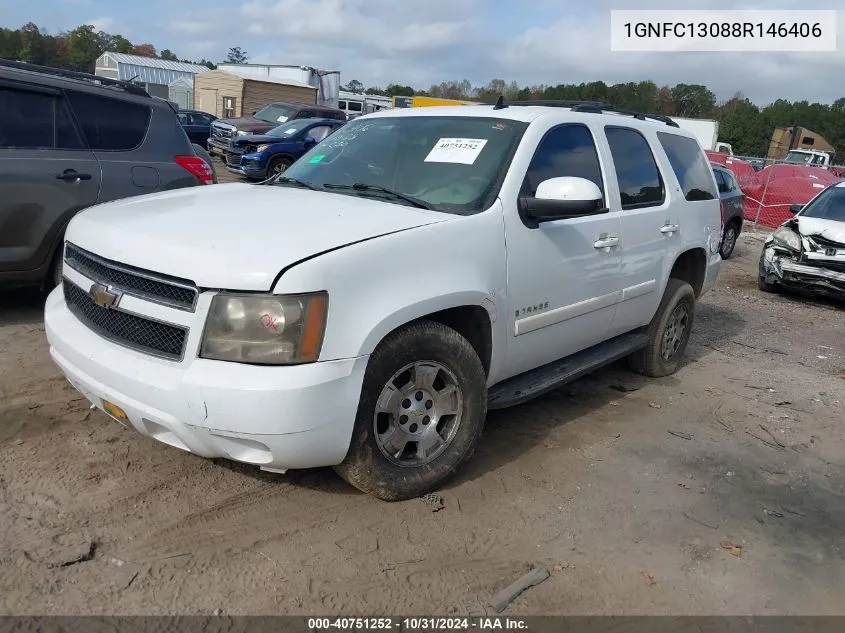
291	130
282	119
456	150
317	159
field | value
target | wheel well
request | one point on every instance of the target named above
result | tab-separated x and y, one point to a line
471	322
736	220
691	267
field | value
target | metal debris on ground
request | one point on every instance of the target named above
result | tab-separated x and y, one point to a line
683	436
734	549
712	526
433	501
507	595
624	388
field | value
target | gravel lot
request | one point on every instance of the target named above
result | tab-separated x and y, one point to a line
717	490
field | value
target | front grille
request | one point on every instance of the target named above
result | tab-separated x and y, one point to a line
221	132
233	159
123	328
177	293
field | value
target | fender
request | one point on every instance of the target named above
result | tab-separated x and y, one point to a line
380	284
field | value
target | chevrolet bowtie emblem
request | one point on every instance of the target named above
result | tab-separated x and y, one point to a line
102	296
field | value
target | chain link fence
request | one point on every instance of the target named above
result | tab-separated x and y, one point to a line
770	188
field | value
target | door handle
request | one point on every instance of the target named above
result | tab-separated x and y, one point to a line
606	242
70	176
669	228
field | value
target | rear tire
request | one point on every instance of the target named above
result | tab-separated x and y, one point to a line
668	332
729	238
421	413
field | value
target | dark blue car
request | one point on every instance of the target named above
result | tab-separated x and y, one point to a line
197	125
260	156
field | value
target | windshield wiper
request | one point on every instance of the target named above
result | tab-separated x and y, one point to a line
360	186
296	181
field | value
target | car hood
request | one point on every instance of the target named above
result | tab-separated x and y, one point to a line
235	236
249	124
832	230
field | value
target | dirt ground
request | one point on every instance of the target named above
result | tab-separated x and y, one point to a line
720	490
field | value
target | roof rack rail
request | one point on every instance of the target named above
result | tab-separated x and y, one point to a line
595	107
128	86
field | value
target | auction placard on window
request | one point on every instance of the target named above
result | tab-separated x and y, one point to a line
783	31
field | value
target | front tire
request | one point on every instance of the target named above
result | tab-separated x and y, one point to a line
421	413
668	332
278	166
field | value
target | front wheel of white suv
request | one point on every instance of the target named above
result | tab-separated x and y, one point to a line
421	413
668	332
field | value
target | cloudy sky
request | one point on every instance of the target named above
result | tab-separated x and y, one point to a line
421	42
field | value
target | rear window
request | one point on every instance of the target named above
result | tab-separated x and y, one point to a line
110	124
692	170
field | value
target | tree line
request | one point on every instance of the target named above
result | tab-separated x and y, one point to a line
79	49
746	126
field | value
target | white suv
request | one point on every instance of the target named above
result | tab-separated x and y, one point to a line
417	268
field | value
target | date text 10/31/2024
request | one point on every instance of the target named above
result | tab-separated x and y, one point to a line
417	624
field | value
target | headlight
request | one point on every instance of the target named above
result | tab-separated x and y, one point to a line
261	148
243	133
265	329
788	238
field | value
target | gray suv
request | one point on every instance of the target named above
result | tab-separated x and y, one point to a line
71	140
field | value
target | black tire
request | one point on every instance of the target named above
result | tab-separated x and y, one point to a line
729	238
650	360
277	163
55	275
366	466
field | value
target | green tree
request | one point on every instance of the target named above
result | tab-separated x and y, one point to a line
83	48
354	86
236	56
31	44
693	100
168	55
395	90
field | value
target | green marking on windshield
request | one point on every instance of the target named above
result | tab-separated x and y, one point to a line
316	159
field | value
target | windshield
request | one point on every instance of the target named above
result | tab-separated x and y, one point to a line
289	129
797	158
828	205
274	113
453	164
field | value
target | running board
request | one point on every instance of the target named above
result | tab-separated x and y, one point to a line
536	382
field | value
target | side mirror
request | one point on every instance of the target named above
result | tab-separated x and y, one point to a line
795	208
309	140
254	112
560	199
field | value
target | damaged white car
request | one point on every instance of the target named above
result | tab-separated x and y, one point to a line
807	252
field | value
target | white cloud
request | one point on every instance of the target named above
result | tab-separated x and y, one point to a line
577	49
102	24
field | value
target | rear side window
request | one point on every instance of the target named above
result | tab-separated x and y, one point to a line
730	181
687	160
640	184
110	124
567	150
720	181
34	120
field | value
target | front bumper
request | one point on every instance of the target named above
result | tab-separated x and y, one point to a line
218	146
278	418
780	268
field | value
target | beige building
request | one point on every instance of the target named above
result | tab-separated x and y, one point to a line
230	94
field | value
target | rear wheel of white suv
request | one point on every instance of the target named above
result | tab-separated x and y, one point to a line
668	332
421	413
